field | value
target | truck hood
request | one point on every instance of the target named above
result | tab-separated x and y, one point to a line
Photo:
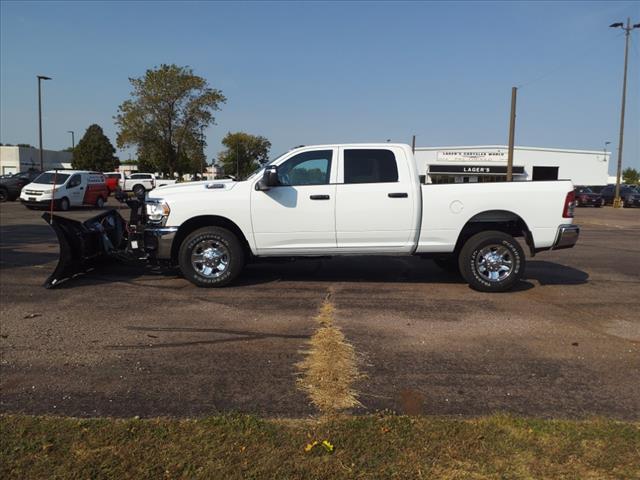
192	187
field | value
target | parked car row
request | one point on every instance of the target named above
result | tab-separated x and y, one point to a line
70	188
586	197
629	195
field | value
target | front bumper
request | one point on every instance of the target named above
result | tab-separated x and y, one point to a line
44	203
158	241
566	237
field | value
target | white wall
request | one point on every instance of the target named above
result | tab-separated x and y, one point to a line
583	167
16	159
9	160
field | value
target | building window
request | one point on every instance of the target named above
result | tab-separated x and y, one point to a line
442	179
370	166
492	178
544	173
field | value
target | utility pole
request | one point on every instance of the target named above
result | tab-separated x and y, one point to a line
512	133
73	139
627	31
413	144
40	78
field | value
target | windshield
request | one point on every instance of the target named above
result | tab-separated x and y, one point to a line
584	190
48	177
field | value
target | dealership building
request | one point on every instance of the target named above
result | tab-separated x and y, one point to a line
20	159
489	164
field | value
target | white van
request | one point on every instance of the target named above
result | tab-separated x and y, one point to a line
66	188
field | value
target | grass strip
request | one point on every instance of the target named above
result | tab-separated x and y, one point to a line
373	446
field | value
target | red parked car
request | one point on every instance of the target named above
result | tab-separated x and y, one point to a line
111	179
586	197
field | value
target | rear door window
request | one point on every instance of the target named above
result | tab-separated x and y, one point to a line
370	166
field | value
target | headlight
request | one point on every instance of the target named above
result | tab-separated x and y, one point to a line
157	210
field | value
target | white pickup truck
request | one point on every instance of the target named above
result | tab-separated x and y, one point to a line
138	183
359	199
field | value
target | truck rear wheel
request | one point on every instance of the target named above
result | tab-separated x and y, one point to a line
211	257
492	261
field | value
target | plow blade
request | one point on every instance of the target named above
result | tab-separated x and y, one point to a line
82	244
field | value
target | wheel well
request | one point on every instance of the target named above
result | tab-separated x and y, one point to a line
207	221
500	220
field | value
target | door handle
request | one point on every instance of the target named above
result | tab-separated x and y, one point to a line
81	188
319	197
398	195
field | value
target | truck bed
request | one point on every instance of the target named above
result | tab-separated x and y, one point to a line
445	207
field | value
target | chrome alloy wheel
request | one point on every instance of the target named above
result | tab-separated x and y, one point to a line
210	258
494	263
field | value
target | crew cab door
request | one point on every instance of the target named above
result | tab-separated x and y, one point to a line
297	216
75	190
375	200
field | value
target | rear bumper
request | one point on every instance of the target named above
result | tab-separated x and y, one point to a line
566	237
158	241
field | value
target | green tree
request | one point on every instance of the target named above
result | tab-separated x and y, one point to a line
244	153
94	151
630	176
168	107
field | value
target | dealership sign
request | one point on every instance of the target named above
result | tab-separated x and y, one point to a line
474	169
473	156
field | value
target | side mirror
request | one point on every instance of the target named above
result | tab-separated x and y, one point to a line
269	178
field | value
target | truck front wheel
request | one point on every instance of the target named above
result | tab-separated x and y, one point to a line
211	257
492	261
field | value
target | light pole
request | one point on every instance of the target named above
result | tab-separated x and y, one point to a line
202	159
40	78
73	139
606	144
627	32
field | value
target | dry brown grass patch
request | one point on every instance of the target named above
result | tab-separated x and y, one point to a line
330	366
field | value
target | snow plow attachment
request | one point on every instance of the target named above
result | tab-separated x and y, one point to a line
83	244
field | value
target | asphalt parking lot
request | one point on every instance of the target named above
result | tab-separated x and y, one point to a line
126	341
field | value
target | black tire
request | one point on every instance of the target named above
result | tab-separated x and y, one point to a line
139	190
4	195
223	242
448	263
508	253
63	204
600	204
100	203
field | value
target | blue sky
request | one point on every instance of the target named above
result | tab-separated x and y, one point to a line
326	72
